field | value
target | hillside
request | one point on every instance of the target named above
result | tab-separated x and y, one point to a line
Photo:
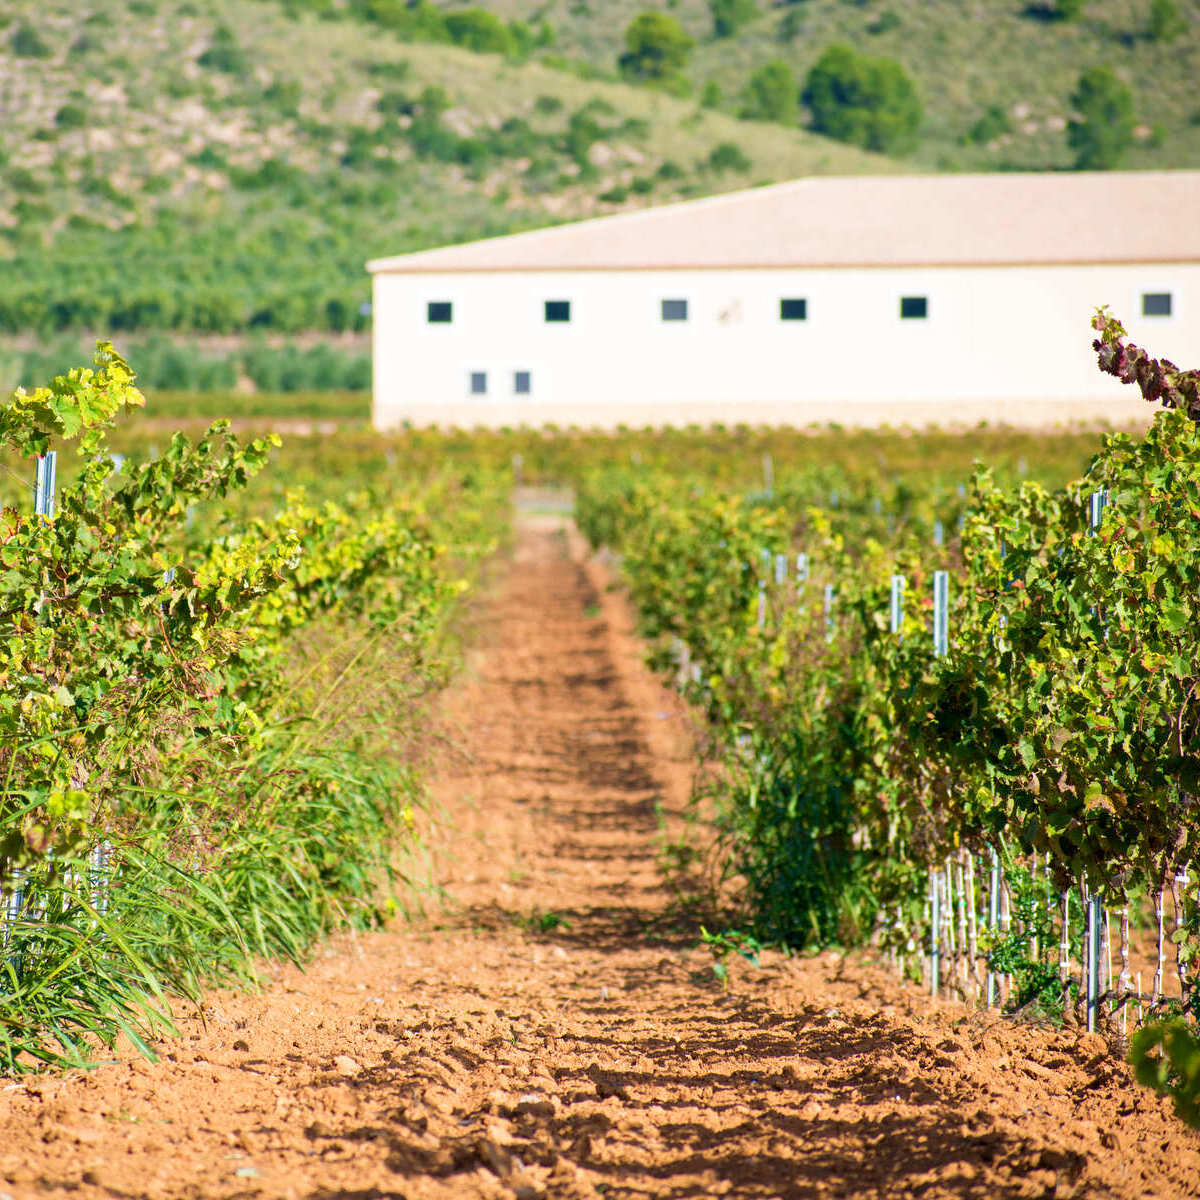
221	173
162	169
1008	55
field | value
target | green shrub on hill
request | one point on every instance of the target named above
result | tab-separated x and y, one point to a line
26	42
728	156
71	116
1166	21
480	30
730	15
1103	130
771	93
994	123
657	49
224	53
869	102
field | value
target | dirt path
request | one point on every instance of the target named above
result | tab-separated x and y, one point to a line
543	1035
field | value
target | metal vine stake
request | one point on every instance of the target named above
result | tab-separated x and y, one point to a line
1093	902
43	507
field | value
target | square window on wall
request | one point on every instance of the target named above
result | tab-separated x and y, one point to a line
1156	304
522	383
478	383
914	308
674	310
793	310
558	312
439	312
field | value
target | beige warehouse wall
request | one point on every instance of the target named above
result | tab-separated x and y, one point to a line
1001	344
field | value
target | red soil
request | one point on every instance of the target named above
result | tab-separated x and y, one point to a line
547	1034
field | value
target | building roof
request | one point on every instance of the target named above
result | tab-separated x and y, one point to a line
867	221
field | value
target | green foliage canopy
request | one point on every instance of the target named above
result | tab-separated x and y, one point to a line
869	102
771	93
729	16
1102	130
1166	22
479	30
657	48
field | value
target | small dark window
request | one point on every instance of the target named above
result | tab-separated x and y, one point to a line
793	310
522	383
558	310
478	383
674	310
915	308
440	312
1156	304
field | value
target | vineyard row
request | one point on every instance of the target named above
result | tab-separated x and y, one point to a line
1033	701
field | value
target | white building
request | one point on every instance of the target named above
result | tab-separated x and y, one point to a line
947	299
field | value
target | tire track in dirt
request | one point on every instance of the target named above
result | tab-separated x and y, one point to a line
543	1032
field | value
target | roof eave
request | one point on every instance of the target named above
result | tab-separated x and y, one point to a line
405	267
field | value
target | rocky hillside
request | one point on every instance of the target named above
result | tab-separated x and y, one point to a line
231	167
227	168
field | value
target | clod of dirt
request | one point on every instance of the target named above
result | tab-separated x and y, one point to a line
533	1105
242	1044
343	1064
441	1100
495	1157
1091	1048
607	1086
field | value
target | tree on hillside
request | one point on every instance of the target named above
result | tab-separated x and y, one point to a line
656	48
1069	10
1166	21
771	93
480	30
27	43
730	15
1102	130
224	53
868	102
790	26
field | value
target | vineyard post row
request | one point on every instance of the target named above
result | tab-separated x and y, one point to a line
43	506
1096	942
